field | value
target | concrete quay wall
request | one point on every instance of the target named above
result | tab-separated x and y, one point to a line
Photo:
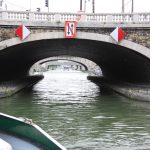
9	88
133	91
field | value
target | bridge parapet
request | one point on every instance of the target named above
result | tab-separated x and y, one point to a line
136	25
88	17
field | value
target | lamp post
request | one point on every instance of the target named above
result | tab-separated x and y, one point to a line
122	6
47	4
93	6
132	7
80	5
85	6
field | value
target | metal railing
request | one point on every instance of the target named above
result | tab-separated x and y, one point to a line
61	17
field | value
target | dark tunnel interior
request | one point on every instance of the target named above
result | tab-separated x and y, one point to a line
117	62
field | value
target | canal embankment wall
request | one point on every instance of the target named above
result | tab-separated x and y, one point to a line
139	92
9	88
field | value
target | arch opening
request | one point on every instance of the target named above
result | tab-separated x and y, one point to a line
74	63
126	62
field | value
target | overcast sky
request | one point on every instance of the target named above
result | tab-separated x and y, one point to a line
101	6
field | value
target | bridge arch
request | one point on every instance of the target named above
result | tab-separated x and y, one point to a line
91	67
82	66
125	61
80	35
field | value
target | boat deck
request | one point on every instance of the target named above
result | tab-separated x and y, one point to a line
17	143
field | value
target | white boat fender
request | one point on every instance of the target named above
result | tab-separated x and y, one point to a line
4	145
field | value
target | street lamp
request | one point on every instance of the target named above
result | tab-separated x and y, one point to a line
122	6
80	5
93	6
47	4
132	9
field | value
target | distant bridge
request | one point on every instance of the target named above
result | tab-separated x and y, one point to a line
91	67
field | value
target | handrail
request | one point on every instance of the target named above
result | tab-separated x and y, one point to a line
80	16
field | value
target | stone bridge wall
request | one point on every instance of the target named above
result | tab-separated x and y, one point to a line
135	34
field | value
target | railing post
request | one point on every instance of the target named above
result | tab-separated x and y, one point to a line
4	15
81	16
135	18
109	18
57	18
31	16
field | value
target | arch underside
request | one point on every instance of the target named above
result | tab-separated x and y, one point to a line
116	62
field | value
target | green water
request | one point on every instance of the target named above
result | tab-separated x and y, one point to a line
81	116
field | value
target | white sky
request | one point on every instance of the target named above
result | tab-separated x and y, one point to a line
101	6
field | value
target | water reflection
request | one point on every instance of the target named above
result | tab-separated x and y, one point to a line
76	113
66	87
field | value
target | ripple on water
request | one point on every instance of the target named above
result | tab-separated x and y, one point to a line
75	112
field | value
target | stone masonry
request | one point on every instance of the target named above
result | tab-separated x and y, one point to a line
138	35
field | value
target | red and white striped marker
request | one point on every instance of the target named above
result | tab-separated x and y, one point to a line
118	34
22	32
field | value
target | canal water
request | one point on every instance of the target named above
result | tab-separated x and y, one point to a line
81	115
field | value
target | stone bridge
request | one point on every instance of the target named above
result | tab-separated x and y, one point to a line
91	67
136	25
127	61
